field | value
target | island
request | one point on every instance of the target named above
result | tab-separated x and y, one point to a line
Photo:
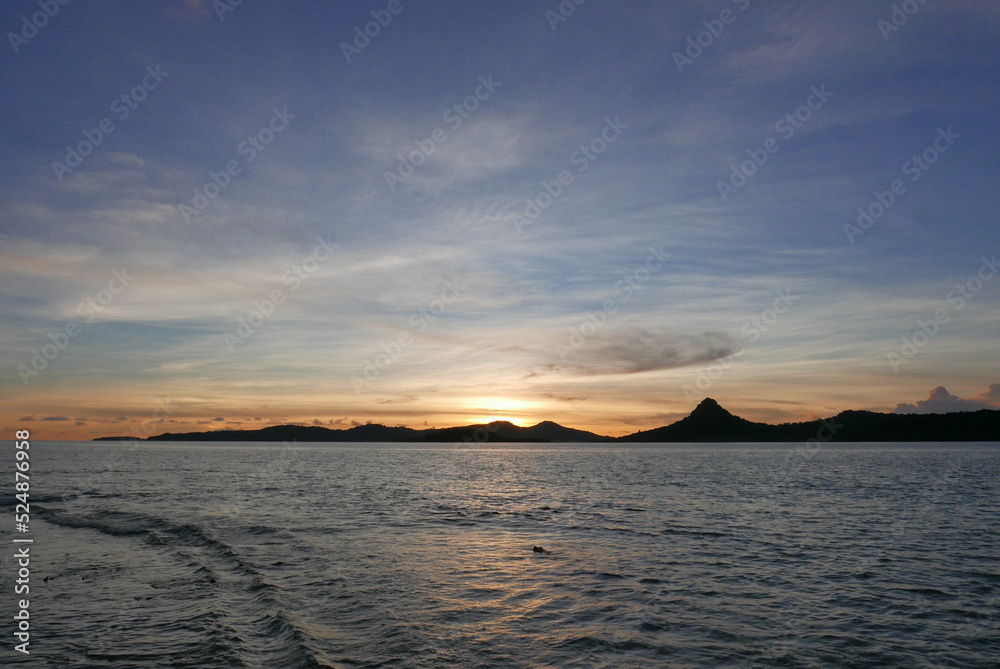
709	422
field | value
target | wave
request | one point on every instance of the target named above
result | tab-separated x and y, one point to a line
11	500
251	623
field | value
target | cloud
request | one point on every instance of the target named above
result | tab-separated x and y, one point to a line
636	351
218	419
397	400
991	396
941	401
26	419
565	398
55	418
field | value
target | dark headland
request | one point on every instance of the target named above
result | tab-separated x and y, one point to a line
709	422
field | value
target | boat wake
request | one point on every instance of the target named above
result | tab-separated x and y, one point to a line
238	612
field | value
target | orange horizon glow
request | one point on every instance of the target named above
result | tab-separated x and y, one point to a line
46	428
83	414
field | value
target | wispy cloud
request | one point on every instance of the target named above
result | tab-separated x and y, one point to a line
633	351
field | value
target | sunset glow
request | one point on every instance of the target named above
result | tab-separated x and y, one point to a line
487	410
575	221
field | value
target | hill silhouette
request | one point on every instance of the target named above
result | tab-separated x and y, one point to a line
709	422
506	431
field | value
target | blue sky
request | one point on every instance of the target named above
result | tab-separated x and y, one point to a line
484	212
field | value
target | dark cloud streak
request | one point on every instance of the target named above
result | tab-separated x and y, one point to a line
637	351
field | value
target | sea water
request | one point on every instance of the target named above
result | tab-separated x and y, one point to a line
202	554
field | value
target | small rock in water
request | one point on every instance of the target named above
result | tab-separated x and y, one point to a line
539	549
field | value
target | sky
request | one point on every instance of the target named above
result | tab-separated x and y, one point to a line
225	215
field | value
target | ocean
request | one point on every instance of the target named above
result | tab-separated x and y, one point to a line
197	554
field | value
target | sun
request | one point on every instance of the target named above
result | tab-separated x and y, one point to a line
491	409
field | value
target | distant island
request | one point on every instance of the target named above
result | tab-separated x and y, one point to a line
709	422
497	431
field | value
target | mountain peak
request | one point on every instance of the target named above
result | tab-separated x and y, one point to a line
709	408
708	422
